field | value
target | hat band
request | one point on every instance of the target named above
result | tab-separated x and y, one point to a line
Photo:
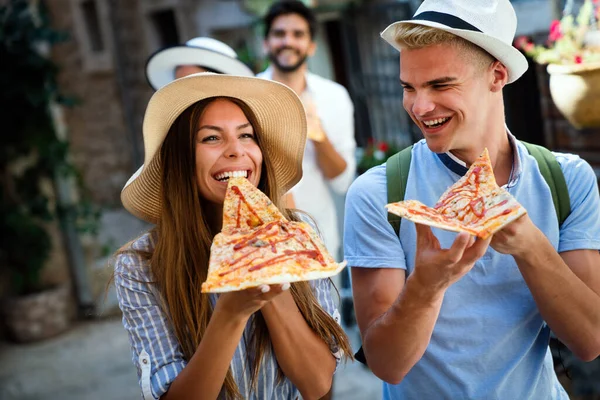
445	19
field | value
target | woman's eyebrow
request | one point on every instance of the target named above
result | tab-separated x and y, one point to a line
219	129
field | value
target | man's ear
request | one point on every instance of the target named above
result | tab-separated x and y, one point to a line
499	76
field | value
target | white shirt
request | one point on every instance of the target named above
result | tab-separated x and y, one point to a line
313	193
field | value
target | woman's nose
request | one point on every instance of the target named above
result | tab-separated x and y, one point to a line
234	149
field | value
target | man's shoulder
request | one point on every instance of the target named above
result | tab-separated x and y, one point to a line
370	184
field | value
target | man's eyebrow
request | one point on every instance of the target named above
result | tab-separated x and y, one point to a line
438	81
219	129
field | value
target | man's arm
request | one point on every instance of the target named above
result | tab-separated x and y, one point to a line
332	164
396	315
566	287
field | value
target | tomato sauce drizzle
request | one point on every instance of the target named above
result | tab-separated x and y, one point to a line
242	198
283	233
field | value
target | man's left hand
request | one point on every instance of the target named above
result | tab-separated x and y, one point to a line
517	238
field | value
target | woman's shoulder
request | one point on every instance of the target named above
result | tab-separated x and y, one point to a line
134	256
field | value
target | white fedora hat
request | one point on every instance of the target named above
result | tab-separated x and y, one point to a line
490	24
201	51
278	111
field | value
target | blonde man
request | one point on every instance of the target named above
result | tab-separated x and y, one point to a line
443	316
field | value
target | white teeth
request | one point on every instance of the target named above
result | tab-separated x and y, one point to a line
231	174
436	121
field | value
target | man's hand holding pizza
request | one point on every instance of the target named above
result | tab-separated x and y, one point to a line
437	268
518	238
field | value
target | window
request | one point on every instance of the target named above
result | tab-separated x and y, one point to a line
92	29
165	27
92	24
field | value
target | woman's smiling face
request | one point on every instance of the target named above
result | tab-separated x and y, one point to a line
226	146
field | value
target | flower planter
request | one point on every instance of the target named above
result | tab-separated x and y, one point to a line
575	90
39	315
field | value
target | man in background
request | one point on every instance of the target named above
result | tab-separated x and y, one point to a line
329	162
200	54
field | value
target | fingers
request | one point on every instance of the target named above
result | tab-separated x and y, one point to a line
477	250
271	289
462	241
425	237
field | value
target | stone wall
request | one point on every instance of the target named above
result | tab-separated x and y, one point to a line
105	124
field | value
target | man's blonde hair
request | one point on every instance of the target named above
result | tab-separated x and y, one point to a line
411	36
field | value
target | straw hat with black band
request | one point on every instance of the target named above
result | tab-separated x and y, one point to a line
278	111
204	52
490	24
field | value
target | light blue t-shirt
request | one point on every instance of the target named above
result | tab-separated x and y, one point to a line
490	341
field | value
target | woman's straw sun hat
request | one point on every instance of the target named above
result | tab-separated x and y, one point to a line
278	111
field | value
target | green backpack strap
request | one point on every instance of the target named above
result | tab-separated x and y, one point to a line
554	177
397	167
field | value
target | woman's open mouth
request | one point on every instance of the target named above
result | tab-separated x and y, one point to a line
224	176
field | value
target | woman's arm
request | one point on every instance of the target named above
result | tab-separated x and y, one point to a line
306	360
164	373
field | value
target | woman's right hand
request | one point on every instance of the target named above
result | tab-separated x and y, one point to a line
244	303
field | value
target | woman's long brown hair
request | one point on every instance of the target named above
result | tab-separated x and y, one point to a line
179	263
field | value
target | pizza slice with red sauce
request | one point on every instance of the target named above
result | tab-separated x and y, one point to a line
475	204
258	245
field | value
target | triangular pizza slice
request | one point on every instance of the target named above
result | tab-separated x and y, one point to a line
474	204
275	251
246	207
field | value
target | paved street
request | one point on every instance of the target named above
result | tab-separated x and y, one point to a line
92	362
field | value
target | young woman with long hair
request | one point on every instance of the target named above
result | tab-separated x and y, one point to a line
270	342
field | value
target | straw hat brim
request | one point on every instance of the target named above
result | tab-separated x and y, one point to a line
278	111
160	67
513	59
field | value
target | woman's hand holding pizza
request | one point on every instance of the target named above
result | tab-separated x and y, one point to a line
244	303
437	268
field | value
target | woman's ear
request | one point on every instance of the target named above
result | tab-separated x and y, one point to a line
499	76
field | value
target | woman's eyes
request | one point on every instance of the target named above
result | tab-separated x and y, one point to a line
211	138
214	138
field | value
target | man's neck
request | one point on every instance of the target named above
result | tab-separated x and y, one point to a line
295	80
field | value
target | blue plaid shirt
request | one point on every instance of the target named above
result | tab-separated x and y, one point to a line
155	349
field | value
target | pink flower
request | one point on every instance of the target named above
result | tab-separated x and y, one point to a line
555	31
578	60
521	42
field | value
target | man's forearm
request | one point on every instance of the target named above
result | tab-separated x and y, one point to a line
330	161
397	340
567	304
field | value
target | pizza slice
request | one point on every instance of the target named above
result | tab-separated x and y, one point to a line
474	204
246	207
267	250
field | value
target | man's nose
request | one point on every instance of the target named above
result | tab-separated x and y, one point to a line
422	104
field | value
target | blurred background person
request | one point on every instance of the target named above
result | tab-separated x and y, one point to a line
329	161
200	54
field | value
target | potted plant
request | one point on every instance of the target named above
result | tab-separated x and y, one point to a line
376	153
573	57
31	158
